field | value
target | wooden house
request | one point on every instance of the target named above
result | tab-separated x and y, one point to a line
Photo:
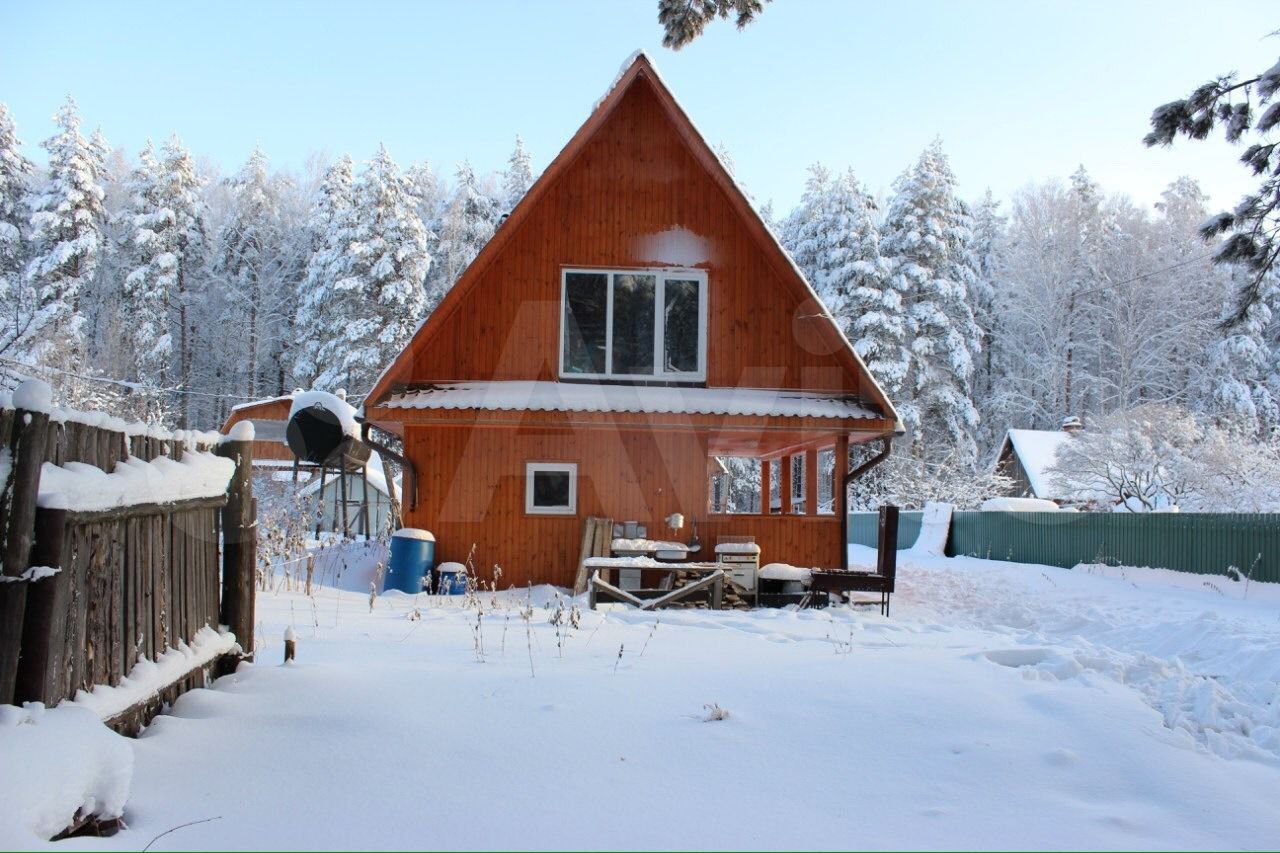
268	417
1027	458
632	320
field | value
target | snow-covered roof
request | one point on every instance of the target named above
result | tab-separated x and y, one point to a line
264	401
373	473
1037	450
573	397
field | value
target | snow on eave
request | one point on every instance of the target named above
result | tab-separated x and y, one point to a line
535	395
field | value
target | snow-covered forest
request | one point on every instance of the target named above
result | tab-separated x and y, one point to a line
195	290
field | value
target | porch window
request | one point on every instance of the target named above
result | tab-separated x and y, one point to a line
737	488
634	324
551	488
826	482
797	483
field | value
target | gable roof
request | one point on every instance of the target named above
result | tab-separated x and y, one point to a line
638	71
1036	451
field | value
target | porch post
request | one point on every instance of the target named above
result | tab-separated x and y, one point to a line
840	467
840	495
766	486
784	484
811	481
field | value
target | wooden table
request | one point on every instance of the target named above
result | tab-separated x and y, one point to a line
653	599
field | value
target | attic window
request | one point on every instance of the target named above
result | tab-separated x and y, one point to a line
634	324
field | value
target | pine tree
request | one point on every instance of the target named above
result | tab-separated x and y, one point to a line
328	224
67	222
802	233
144	294
988	230
15	173
466	225
518	177
926	242
246	262
379	296
1239	385
167	242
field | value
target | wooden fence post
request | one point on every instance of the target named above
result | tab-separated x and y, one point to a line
239	546
28	439
44	630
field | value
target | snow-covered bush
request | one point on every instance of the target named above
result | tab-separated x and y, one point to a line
1155	457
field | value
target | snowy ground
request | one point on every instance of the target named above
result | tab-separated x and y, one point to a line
1001	706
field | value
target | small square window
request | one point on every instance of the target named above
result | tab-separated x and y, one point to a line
551	488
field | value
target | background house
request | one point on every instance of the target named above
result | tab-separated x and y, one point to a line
1026	455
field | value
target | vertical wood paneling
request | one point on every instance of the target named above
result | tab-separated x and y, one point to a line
635	179
471	491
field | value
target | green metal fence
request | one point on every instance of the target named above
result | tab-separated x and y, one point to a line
1204	543
864	528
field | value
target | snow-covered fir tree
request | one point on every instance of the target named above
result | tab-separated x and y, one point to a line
834	240
379	296
329	227
143	294
1242	376
518	176
67	240
16	306
466	224
988	231
926	241
167	243
247	263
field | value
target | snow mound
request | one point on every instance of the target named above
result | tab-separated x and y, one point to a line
342	411
87	488
784	572
242	431
1018	505
147	678
414	533
84	768
33	396
934	526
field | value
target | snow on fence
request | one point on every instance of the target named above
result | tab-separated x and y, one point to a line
124	549
1202	543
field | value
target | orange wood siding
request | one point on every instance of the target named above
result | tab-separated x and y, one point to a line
267	410
636	178
471	491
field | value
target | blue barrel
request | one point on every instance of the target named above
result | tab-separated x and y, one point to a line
412	553
452	579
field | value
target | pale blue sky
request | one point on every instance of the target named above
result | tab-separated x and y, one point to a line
1018	90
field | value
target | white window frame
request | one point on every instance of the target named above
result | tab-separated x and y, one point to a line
532	468
661	275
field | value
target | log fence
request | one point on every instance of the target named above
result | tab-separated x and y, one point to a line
86	595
